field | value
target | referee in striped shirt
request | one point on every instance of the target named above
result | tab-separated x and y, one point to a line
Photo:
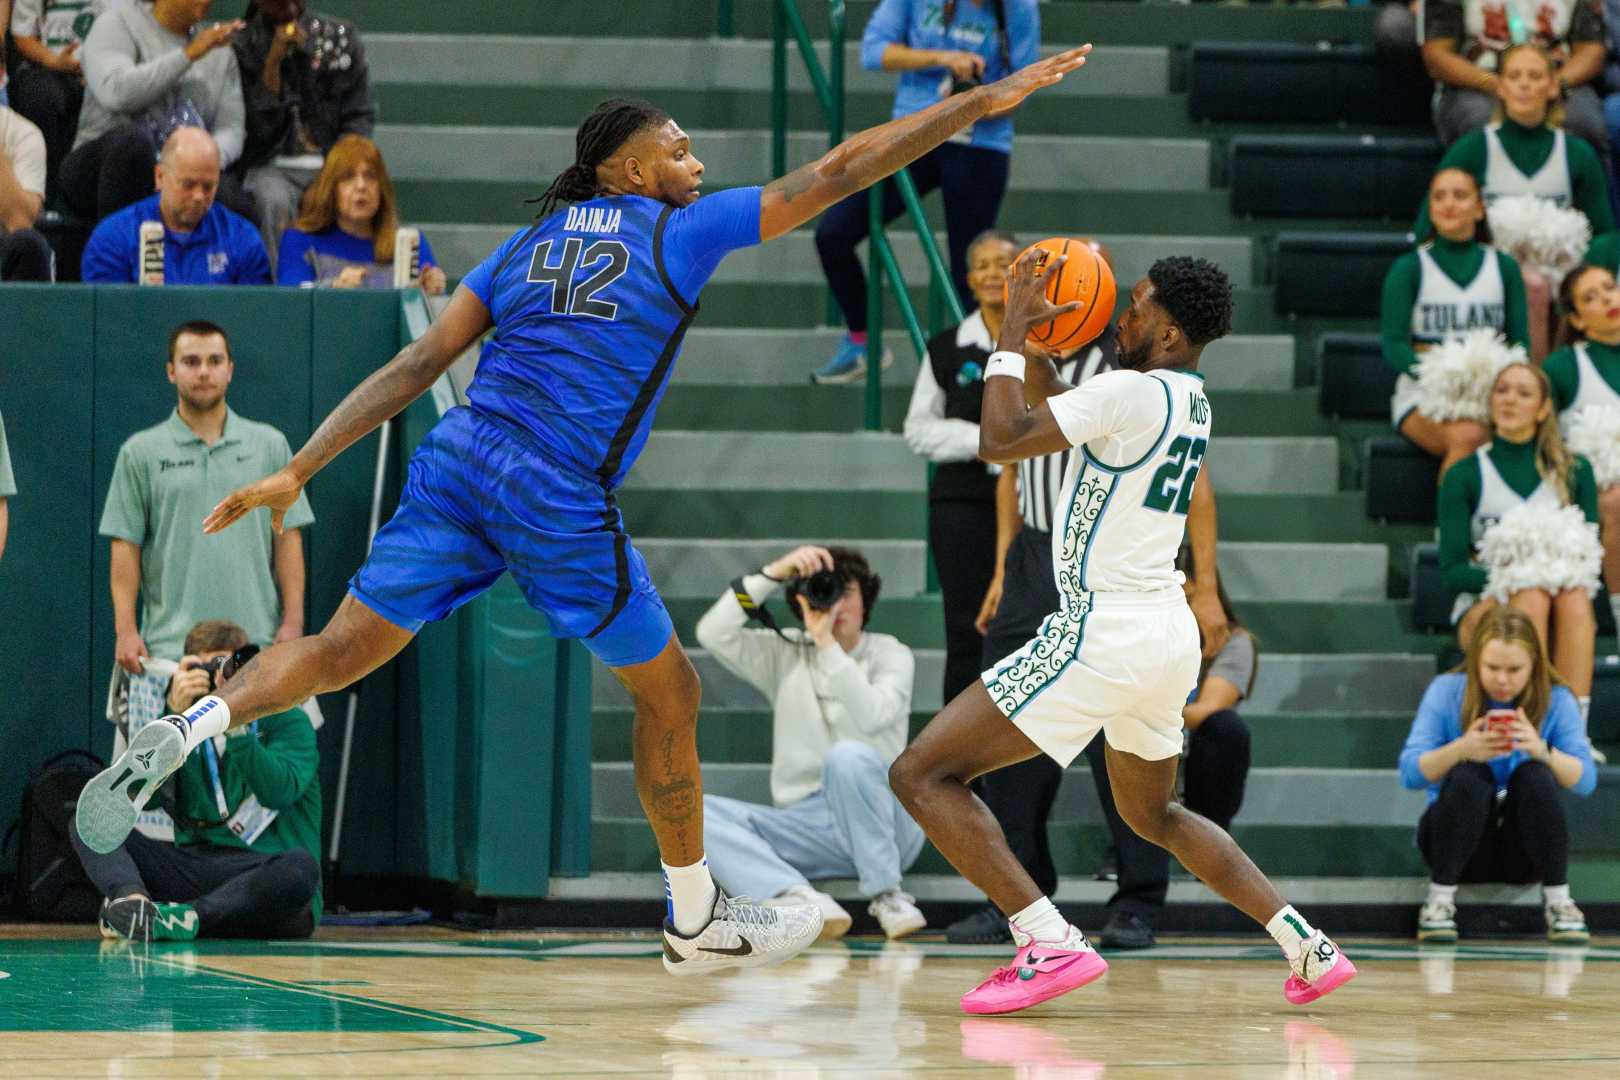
1022	594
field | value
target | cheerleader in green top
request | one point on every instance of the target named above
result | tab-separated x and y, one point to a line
1585	374
1525	462
1452	283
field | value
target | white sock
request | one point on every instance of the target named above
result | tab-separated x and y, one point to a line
1289	930
1042	921
1585	705
689	895
1441	894
209	717
1555	894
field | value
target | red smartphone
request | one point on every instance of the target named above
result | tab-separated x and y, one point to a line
1501	721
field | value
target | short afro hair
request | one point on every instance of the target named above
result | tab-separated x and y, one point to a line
1197	294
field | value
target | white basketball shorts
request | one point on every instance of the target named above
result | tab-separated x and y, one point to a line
1121	663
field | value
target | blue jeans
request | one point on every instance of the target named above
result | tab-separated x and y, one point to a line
852	827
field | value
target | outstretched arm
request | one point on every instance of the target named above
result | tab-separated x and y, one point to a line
865	158
383	395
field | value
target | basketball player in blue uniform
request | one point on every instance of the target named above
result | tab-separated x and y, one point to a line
588	307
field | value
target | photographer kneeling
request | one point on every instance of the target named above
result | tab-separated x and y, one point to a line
247	824
841	700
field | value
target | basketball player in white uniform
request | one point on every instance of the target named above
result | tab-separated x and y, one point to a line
1121	655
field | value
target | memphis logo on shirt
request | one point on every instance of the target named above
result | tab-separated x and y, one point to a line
592	219
1445	319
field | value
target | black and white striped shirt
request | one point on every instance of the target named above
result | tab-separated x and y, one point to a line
1040	480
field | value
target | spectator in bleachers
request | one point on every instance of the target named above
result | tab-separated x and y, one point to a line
204	243
24	253
245	861
841	702
306	83
1463	43
1585	374
1398	32
1216	766
1453	282
149	68
1524	462
1524	150
8	487
940	48
344	238
166	480
48	83
1495	742
942	425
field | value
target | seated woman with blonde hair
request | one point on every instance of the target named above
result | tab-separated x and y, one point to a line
344	236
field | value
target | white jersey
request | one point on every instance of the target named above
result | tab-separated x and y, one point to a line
1502	177
1445	309
1496	498
1142	439
1592	390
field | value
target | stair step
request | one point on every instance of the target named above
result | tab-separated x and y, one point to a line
1287	682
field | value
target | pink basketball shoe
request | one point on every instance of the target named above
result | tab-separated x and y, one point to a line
1039	972
1320	969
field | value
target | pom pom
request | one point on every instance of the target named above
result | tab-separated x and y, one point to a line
1455	377
1594	433
1540	545
1540	234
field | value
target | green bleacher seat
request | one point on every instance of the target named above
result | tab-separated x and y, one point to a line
1300	82
1333	273
1431	604
1331	175
1400	480
1353	380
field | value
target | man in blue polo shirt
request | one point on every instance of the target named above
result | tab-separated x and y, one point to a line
203	243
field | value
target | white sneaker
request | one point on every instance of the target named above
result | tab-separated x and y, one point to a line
835	921
109	803
1566	923
741	934
1437	921
897	913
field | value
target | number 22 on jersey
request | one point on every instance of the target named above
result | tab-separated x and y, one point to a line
1171	490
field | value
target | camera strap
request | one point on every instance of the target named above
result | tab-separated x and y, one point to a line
758	613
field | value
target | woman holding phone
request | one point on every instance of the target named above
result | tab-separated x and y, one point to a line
1494	743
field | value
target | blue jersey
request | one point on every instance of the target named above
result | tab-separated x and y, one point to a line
590	306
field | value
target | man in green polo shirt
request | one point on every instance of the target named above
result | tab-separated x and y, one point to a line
247	826
8	486
166	480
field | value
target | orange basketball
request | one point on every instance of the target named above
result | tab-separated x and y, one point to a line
1084	277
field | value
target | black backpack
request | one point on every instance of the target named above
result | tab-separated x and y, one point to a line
51	884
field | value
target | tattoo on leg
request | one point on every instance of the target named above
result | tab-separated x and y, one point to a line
675	802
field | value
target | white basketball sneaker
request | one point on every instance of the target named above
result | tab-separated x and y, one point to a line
835	920
897	913
109	804
741	934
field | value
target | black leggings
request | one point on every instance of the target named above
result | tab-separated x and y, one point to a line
237	892
25	255
971	180
962	537
1217	767
1468	835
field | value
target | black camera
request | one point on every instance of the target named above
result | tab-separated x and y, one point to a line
822	589
221	668
962	86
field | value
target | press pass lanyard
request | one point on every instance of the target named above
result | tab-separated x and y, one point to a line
211	763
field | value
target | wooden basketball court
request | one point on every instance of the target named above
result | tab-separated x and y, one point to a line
427	1002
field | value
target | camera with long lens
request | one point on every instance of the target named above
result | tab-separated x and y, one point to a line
221	668
822	589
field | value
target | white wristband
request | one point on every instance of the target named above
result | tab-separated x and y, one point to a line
1005	363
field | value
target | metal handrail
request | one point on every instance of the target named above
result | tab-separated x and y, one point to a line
827	83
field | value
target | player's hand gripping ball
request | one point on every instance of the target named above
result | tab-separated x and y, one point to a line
1084	278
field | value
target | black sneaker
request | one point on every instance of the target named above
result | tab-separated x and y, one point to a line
1126	931
987	926
129	918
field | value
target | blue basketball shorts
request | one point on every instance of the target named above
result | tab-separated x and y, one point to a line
480	499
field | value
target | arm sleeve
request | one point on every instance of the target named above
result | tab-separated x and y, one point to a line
1583	483
113	77
292	266
1442	19
27	19
753	654
1395	313
1591	186
697	237
1566	732
229	128
1428	732
928	432
1459	494
109	256
886	27
1586	24
1108	404
1235	663
879	705
1023	33
480	280
281	763
1560	369
299	513
1518	308
124	517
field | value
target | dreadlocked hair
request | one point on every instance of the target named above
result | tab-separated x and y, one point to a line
1197	295
600	135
